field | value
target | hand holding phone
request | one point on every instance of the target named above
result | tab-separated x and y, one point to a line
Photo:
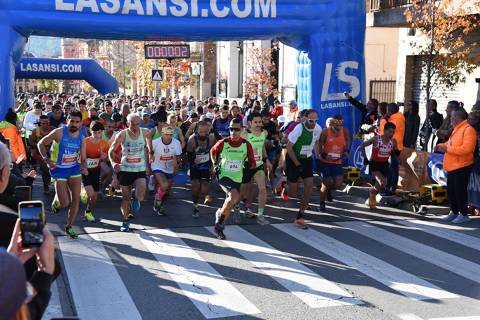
32	221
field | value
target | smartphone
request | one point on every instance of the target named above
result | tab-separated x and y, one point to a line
32	220
23	193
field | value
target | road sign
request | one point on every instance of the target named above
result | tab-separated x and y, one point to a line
157	75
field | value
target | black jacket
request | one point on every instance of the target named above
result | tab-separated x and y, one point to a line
368	117
412	126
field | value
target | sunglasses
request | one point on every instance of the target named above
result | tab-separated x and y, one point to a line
234	129
312	120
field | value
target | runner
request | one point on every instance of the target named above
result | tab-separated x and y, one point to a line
41	131
165	164
229	156
334	146
66	162
198	153
96	152
382	148
133	166
301	142
258	139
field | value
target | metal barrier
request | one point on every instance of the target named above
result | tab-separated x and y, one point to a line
376	5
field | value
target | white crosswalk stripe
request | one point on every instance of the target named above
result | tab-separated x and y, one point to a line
442	259
214	296
90	272
440	230
311	288
98	290
391	276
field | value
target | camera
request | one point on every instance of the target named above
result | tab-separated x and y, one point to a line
32	220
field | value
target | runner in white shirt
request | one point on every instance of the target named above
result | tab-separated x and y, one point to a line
166	153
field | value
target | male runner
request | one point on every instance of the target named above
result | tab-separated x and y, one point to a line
198	153
258	138
301	142
229	156
38	133
334	146
133	166
165	164
66	164
96	153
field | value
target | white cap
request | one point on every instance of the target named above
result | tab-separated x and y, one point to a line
210	115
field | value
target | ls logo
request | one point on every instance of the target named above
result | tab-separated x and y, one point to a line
342	76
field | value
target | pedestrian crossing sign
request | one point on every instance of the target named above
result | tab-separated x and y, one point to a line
157	75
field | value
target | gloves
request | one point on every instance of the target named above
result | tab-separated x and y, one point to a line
366	161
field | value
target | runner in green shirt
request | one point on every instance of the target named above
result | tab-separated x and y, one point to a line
229	157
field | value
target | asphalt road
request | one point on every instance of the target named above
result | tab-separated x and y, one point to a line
352	263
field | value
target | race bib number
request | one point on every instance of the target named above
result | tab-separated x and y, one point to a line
69	158
202	158
166	158
233	165
306	151
134	159
335	156
257	153
92	163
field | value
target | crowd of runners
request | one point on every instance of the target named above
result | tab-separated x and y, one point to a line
86	145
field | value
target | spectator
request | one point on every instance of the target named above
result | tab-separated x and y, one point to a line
369	111
293	110
432	122
443	133
277	109
398	120
412	124
9	131
458	161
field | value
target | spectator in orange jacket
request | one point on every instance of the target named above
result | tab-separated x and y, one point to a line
9	131
458	162
398	120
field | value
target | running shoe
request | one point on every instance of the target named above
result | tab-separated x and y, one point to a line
300	223
55	207
218	229
207	201
70	232
130	215
89	216
322	206
158	207
451	216
248	213
262	221
284	194
125	226
196	213
111	191
83	196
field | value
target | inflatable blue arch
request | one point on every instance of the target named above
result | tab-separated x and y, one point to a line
329	35
67	69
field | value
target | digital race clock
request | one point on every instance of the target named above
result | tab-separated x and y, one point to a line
167	51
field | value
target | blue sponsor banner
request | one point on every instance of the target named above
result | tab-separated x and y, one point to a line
473	187
356	158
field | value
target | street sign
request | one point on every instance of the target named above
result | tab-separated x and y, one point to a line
157	75
167	51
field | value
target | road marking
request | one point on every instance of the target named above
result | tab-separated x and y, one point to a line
457	265
457	318
314	290
54	308
409	316
391	276
213	296
97	288
437	230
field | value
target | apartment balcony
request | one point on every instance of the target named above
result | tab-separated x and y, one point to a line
386	13
390	13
